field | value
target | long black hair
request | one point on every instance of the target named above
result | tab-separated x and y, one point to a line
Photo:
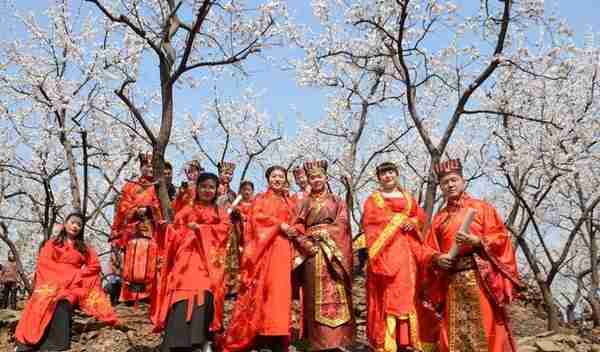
79	242
207	176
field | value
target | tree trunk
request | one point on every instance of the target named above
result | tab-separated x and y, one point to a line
549	306
595	276
164	135
431	190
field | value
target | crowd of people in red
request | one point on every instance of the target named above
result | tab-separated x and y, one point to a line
438	287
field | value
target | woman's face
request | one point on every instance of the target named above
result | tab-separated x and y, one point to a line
192	174
207	190
277	180
73	226
146	170
247	191
387	179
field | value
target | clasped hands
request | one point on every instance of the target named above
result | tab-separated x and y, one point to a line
287	230
445	261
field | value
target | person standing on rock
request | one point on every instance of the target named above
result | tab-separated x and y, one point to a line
393	223
321	236
475	268
67	276
262	314
138	198
192	292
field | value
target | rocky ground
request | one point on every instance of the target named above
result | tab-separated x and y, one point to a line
135	333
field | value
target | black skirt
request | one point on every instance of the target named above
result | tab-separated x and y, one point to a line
57	336
183	335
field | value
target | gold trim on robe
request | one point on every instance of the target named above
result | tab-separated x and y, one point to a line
391	228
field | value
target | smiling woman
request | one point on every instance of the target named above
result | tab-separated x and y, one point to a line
262	314
67	275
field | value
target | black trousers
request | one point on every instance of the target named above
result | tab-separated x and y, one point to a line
272	343
57	336
9	296
182	335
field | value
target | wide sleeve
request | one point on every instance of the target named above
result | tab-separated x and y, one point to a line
93	300
502	278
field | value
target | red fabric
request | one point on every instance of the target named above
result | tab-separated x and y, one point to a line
63	273
135	194
393	276
265	294
194	262
185	197
496	265
245	209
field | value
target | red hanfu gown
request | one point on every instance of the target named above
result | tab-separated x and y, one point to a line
264	303
63	273
135	194
482	283
194	261
395	315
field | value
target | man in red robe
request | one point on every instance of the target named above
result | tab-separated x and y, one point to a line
226	195
393	223
321	235
476	269
138	197
225	198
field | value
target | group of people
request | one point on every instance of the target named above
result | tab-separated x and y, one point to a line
440	287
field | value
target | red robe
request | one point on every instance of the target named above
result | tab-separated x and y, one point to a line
135	194
324	246
184	197
63	273
264	301
395	316
194	262
477	290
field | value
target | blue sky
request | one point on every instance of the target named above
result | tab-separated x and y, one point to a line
283	97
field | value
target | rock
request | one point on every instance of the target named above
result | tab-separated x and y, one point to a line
527	349
9	316
548	346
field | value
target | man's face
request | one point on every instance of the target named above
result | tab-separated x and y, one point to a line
146	170
225	177
169	175
301	181
452	185
317	182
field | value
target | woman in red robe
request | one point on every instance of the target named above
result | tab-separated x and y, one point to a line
393	223
137	198
262	314
321	235
67	275
191	301
476	284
